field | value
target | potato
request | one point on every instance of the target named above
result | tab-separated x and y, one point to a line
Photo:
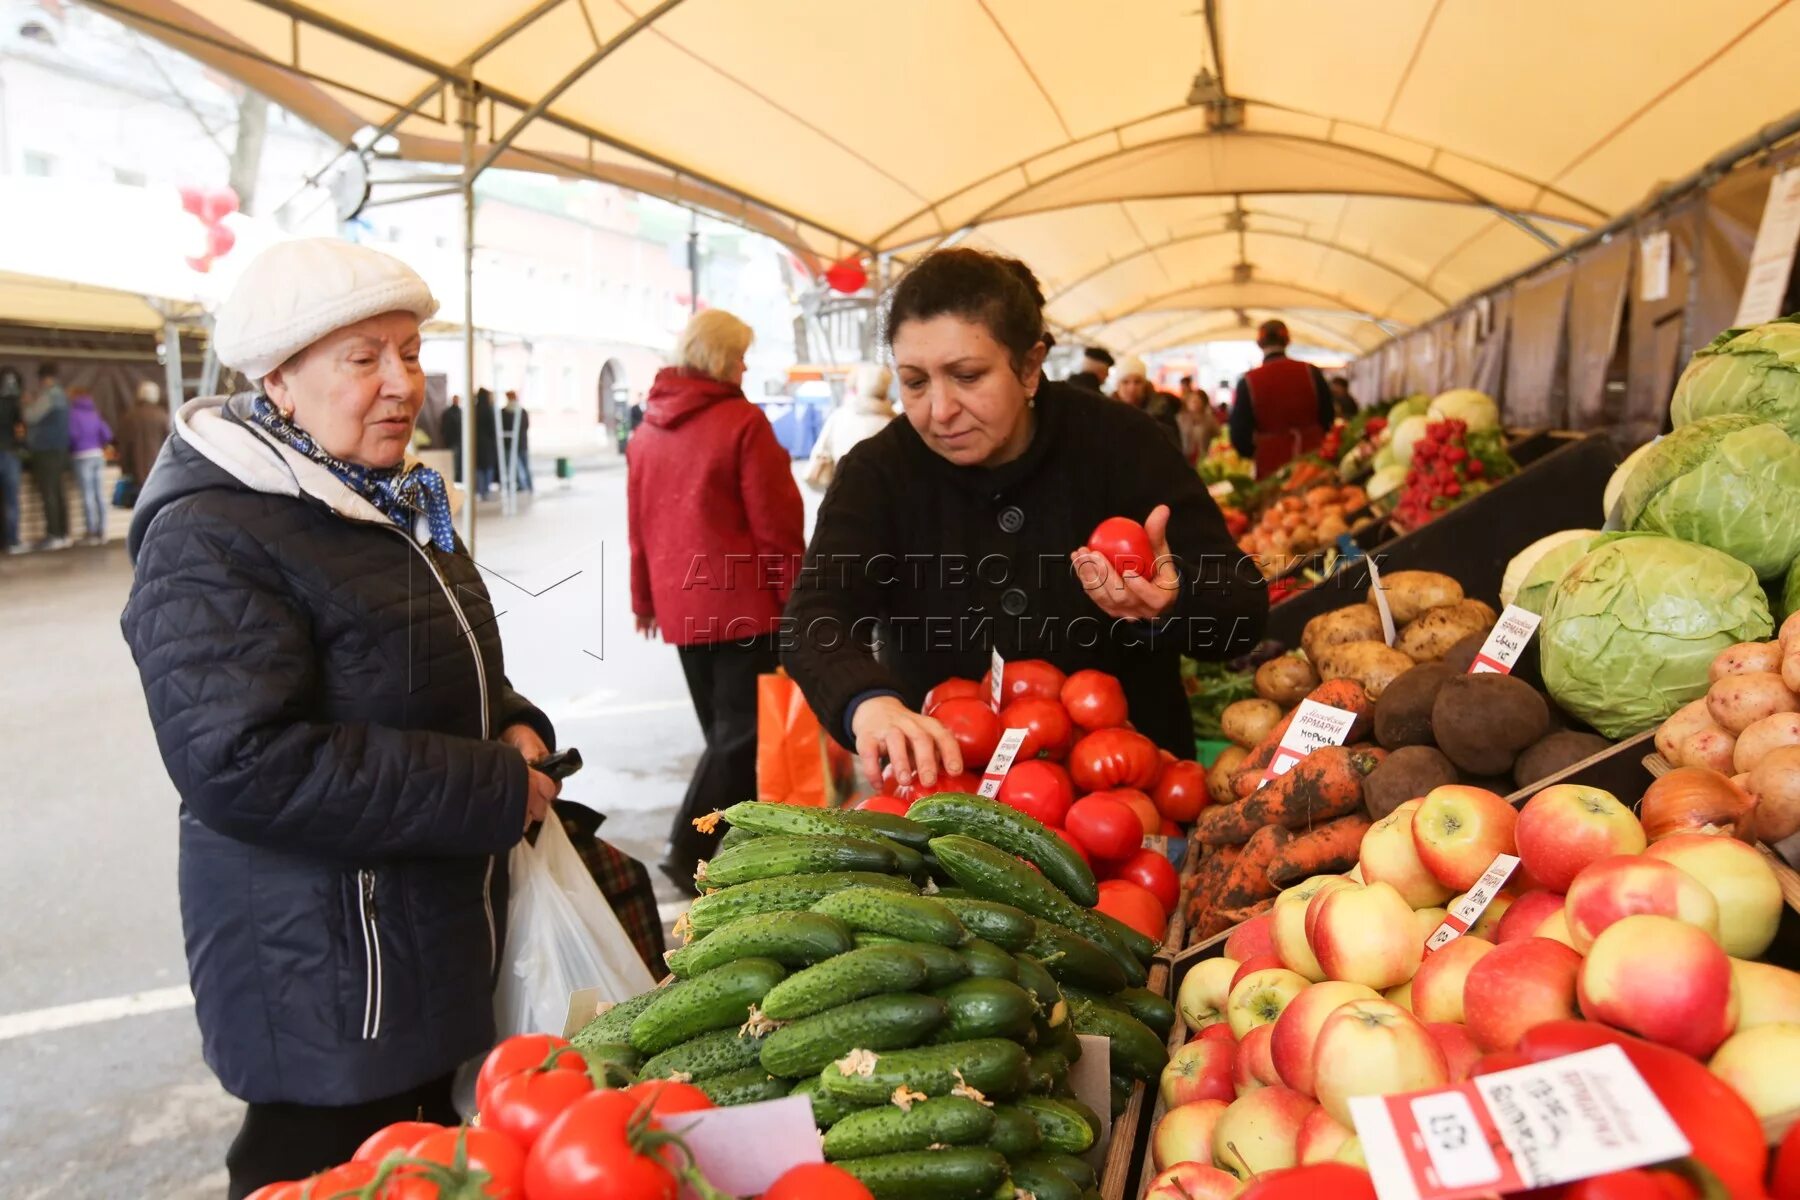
1373	664
1286	680
1410	594
1406	774
1789	637
1403	714
1247	722
1775	786
1737	702
1357	623
1689	718
1555	752
1776	729
1433	635
1790	672
1745	658
1708	746
1218	776
1484	722
1472	609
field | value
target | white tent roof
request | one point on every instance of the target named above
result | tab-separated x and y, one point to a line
1391	157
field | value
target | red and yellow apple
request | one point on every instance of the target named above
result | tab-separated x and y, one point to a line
1320	1137
1460	1051
1565	828
1458	830
1437	989
1258	998
1740	879
1372	1048
1427	920
1763	1066
1401	995
1389	856
1193	1181
1364	935
1261	1131
1185	1134
1487	924
1555	927
1514	987
1289	928
1204	990
1295	1031
1662	979
1198	1070
1253	1067
1767	994
1526	914
1636	884
1253	937
1262	962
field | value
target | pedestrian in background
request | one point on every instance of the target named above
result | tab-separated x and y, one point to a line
142	431
1135	389
12	424
716	530
515	423
1341	399
1281	409
450	424
1096	364
89	436
1199	423
47	437
487	448
863	414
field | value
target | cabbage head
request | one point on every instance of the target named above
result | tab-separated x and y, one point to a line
1474	409
1754	371
1731	482
1406	436
1632	627
1566	547
1615	485
1412	406
1385	482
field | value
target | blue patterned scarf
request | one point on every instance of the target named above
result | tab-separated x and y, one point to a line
397	492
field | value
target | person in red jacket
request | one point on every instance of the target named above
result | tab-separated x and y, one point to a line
1281	409
716	531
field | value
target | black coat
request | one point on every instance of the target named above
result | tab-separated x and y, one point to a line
954	561
324	691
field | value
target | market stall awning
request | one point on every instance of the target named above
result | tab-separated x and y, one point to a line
1160	159
32	300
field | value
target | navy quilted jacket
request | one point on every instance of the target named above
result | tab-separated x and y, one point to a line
325	690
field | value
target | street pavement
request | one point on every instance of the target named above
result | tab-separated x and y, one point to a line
110	1099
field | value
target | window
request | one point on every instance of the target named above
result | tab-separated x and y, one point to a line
39	163
127	177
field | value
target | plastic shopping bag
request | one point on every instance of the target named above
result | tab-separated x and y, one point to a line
796	763
561	936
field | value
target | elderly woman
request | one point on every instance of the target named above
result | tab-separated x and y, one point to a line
716	530
323	670
962	529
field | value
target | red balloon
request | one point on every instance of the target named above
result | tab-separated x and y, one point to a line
202	265
219	241
847	275
193	200
216	205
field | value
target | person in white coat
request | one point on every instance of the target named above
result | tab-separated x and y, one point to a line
863	414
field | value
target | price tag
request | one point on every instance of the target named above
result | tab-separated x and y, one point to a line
1462	917
1314	725
1506	642
783	1132
1001	763
1381	601
1772	258
1221	489
1653	266
996	679
1552	1122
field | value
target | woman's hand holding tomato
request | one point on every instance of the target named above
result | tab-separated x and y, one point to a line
1135	591
951	689
918	746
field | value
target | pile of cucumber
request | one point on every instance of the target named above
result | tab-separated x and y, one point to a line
921	979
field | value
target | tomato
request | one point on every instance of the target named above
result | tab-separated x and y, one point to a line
1784	1184
1048	728
1113	758
1128	895
1140	804
668	1096
1168	828
1180	790
964	781
1105	827
1635	1184
586	1155
1040	789
397	1138
1026	679
1152	871
953	689
817	1181
1125	543
351	1177
1074	845
522	1106
886	804
278	1191
1340	1181
974	726
1094	700
474	1149
522	1053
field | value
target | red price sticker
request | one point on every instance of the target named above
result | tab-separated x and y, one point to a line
1002	762
996	679
1506	642
1462	916
1314	725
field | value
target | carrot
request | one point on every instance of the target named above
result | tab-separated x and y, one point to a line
1323	786
1237	916
1223	825
1328	850
1248	880
1207	877
1346	694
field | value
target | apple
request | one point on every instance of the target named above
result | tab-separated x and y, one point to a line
1193	1181
1364	935
1351	1153
1218	1031
1767	994
1185	1134
1320	1137
1260	1132
1373	1048
1426	921
1556	928
1740	879
1259	997
1401	995
1389	856
1437	990
1488	923
1516	986
1763	1065
1252	1068
1201	997
1198	1071
1497	1060
1662	979
1253	937
1460	1051
1526	914
1459	829
1340	1181
1291	1044
1565	828
1262	962
1289	927
1627	885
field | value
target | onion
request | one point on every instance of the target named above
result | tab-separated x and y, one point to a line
1693	800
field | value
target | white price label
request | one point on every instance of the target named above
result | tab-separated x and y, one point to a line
1379	590
1313	725
1772	258
1001	762
996	679
1500	653
1654	255
1221	489
1465	912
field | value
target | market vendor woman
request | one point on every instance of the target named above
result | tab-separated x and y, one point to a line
960	530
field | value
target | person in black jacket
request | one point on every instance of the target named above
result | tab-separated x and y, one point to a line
323	670
961	530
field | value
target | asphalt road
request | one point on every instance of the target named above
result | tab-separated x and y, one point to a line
116	1101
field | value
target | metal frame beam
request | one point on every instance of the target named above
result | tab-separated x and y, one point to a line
1152	304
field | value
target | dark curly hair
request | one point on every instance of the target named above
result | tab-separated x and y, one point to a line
993	290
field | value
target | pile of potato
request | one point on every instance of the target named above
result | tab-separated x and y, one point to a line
1295	526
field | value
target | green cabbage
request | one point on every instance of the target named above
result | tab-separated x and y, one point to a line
1754	371
1632	627
1565	547
1385	482
1731	482
1790	592
1615	485
1474	409
1406	436
1412	406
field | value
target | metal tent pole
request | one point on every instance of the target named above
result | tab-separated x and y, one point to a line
467	117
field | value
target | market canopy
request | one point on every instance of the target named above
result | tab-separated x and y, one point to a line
1164	165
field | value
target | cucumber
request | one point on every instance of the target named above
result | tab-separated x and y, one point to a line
742	1087
1064	1123
1076	960
1001	924
777	854
1060	1036
866	971
720	999
1136	944
736	837
761	817
1043	1181
710	1054
988	961
915	918
1148	1007
993	1066
611	1026
794	893
794	939
1119	1093
1075	1170
806	1046
1048	1069
985	1008
1012	831
1040	983
891	826
946	1121
907	861
616	1062
827	1110
959	1173
1016	1131
943	966
1137	1053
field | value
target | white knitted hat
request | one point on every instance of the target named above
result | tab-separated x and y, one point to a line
1130	365
294	293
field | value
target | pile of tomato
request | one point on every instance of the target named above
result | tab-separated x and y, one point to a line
1082	771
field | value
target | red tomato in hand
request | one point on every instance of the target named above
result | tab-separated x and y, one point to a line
485	1150
974	726
585	1155
1025	679
886	804
397	1138
817	1181
1048	728
522	1053
1113	758
522	1106
1180	792
1094	700
1134	906
1106	827
1040	789
668	1097
1125	544
953	689
1152	871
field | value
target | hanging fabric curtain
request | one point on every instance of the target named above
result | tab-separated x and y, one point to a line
1659	310
1596	307
1443	335
1468	335
1533	392
1734	209
1490	352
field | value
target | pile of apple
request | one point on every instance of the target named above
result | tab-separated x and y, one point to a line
1332	995
1082	770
